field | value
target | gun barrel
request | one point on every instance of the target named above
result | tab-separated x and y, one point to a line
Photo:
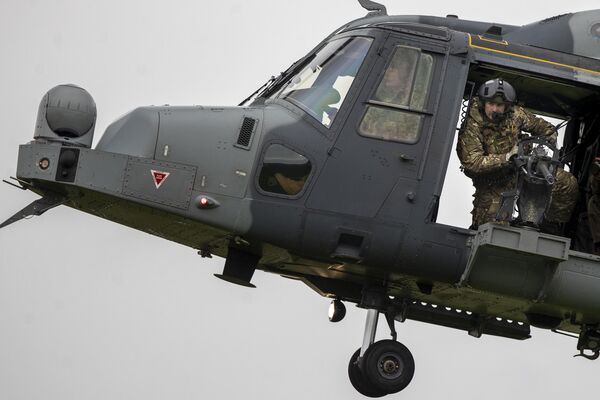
545	171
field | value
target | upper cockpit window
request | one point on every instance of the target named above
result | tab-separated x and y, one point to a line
396	110
321	87
397	80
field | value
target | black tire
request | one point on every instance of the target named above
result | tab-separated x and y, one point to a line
358	380
388	366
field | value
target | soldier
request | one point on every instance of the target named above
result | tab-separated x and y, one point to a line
593	205
487	143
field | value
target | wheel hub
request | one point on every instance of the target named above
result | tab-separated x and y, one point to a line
390	366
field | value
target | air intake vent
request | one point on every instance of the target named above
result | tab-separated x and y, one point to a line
348	247
246	132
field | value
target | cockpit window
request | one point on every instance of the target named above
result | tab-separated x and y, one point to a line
283	171
396	110
321	87
397	80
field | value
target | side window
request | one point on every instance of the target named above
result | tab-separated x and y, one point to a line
283	171
396	110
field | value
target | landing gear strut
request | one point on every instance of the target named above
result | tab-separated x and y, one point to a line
383	367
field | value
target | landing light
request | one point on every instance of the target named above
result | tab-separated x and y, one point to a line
205	202
337	311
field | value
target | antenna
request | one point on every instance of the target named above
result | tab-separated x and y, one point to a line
494	32
373	8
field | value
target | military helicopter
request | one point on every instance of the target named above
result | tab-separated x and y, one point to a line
359	206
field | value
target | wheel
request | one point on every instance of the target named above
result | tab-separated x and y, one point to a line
358	380
388	366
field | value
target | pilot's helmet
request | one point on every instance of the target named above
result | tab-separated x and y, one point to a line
497	91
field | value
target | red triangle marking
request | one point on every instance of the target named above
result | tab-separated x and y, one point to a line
159	177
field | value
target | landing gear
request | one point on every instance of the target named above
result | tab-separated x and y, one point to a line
389	366
383	367
589	343
358	379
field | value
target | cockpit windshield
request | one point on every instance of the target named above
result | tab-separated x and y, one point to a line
322	85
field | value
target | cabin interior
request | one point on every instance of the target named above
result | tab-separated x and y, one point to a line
572	107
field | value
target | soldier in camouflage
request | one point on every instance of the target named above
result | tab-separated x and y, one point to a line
488	141
593	205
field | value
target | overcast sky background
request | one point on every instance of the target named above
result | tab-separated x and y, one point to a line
93	310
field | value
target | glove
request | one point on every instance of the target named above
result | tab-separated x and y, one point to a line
512	153
553	138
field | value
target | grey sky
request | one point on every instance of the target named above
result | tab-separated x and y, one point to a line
93	310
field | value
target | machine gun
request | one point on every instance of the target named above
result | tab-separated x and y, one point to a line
536	161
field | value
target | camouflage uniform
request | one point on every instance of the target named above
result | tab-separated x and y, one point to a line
593	206
482	148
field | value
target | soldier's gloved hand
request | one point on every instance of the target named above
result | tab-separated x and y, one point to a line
553	138
512	153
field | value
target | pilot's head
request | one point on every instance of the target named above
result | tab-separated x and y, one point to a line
392	77
395	86
496	96
397	73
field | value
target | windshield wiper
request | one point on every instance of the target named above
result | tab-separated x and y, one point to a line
265	86
276	80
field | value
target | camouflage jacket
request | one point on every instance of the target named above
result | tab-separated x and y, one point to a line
594	178
483	144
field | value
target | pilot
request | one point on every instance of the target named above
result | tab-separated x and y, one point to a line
395	85
394	89
289	185
487	143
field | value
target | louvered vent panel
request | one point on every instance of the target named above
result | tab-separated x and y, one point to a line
246	132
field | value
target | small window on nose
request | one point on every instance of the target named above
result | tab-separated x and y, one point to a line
283	171
596	30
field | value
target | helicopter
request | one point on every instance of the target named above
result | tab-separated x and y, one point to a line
289	155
